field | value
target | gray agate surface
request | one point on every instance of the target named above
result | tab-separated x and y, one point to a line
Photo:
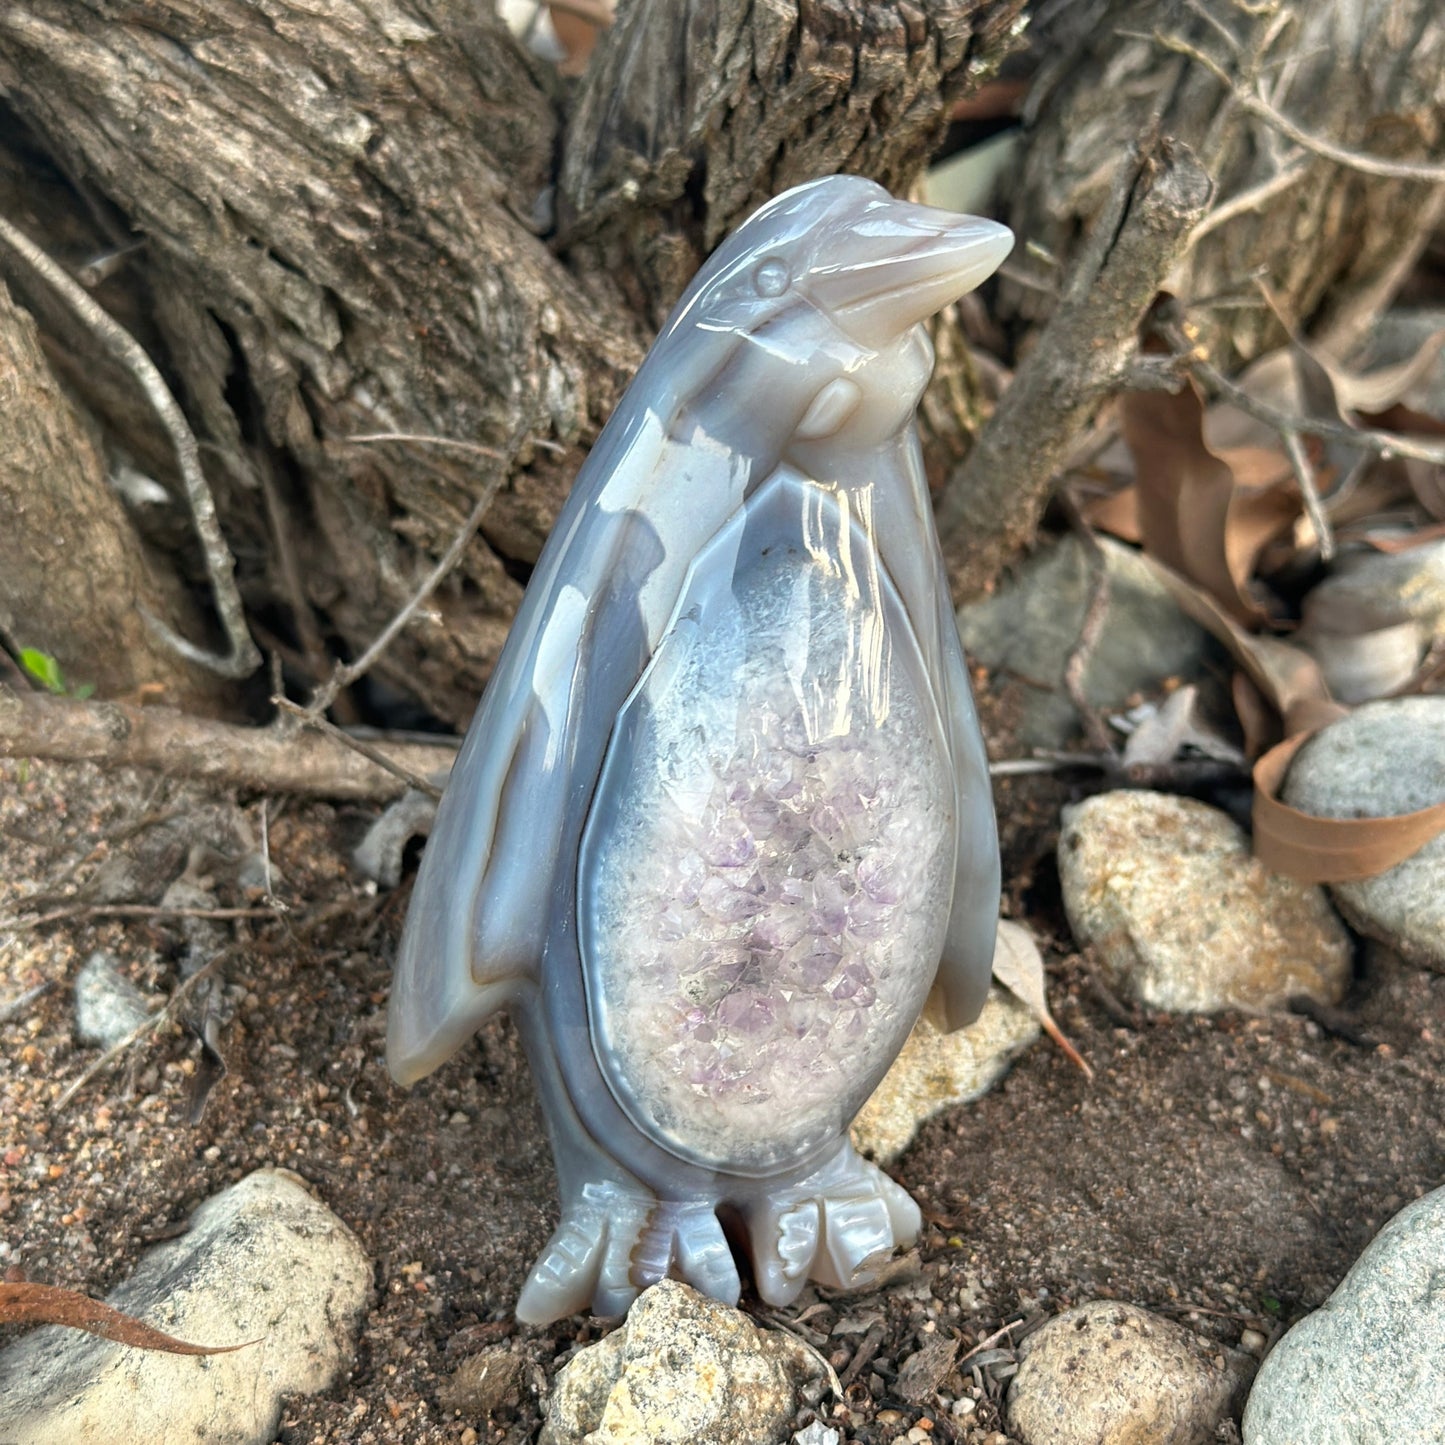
723	817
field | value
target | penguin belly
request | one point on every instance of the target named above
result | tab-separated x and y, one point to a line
767	866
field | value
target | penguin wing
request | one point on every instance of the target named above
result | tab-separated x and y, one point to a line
909	547
967	965
494	874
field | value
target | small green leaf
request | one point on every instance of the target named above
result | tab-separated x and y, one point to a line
85	690
1271	1304
43	668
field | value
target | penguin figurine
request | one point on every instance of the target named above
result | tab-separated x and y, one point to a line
723	817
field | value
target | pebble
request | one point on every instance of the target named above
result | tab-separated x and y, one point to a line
936	1070
1183	918
681	1370
108	1006
1113	1374
817	1434
1366	1366
482	1382
1030	626
1384	758
263	1261
1367	590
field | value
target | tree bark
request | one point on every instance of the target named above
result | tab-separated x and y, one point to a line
1334	242
341	206
77	583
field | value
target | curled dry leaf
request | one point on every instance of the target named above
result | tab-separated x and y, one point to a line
48	1304
1019	967
1329	850
1287	677
1205	513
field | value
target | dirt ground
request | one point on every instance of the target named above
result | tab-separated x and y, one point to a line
1225	1171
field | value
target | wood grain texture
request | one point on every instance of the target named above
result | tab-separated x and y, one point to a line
344	207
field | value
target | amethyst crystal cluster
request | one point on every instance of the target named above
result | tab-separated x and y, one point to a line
763	902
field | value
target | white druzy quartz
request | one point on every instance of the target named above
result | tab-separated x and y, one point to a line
768	871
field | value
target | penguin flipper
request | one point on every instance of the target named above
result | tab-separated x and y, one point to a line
470	941
967	964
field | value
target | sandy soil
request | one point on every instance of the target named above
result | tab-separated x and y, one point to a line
1225	1171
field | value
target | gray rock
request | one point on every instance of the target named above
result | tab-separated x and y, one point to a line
1182	917
265	1262
1368	1367
1367	590
1386	757
682	1370
1112	1374
108	1006
1031	624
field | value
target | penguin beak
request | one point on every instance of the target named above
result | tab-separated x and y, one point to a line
903	263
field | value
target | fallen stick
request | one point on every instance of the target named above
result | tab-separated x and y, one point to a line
260	759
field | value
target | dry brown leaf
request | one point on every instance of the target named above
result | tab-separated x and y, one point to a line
1117	514
1329	850
48	1304
1205	514
1289	679
1019	967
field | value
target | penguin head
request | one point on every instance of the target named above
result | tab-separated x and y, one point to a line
812	308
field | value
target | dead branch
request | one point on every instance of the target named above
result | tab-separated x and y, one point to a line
1361	439
1250	99
243	658
992	503
259	759
310	719
132	910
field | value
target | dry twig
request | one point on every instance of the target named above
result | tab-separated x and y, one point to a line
398	770
1363	439
991	505
1250	99
131	910
243	657
144	1029
260	759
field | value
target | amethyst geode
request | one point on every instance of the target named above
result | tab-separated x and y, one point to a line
723	817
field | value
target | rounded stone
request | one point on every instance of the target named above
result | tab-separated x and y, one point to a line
1366	1365
681	1370
265	1265
1182	917
1385	758
937	1069
1113	1374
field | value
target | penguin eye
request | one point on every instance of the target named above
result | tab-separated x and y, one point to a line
770	277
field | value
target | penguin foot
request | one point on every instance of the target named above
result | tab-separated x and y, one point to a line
838	1227
614	1242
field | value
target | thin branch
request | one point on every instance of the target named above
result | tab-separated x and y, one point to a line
991	504
398	770
1252	101
13	1008
1249	200
347	673
260	760
243	658
144	1029
457	443
1363	439
131	910
1304	473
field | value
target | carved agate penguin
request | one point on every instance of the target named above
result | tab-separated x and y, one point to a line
723	817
